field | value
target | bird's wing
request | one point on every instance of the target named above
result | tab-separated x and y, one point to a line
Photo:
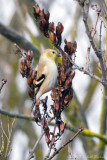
41	75
40	80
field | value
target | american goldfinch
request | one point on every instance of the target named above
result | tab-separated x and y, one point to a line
46	73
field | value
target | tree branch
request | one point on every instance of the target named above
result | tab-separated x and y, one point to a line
86	132
18	39
88	73
19	116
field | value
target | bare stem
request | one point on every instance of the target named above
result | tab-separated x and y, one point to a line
35	146
9	141
64	145
3	83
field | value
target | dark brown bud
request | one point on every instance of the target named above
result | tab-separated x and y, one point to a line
28	64
30	72
31	93
42	24
62	126
22	67
56	105
67	82
25	68
33	74
74	46
29	80
65	41
36	9
59	29
51	27
41	14
22	73
63	77
47	15
72	74
52	37
38	103
53	95
66	99
34	81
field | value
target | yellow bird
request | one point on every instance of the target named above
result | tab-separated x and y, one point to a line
47	72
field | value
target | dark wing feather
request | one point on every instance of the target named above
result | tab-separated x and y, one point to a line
39	82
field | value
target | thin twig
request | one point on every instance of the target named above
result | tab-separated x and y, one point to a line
56	152
85	71
89	48
88	73
94	7
3	130
9	140
3	83
100	37
34	148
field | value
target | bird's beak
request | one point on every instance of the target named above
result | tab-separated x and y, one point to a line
58	54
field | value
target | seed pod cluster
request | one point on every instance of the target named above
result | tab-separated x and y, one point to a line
48	28
63	93
28	72
69	47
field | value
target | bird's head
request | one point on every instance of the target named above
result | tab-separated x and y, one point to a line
52	55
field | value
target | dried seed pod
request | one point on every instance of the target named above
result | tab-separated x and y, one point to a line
30	72
56	105
66	99
28	64
22	66
59	29
72	74
62	126
53	94
38	102
41	14
36	9
52	37
51	27
47	15
33	75
74	46
29	80
34	81
63	76
25	68
42	24
47	139
22	73
31	93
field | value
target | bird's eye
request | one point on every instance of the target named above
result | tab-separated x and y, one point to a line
53	52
